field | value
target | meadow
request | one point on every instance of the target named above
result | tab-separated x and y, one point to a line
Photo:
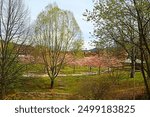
110	85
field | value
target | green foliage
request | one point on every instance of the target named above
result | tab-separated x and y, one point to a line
126	23
94	88
117	75
14	31
77	47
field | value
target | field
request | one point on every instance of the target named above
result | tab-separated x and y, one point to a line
113	85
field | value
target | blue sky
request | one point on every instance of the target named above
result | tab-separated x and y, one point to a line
75	6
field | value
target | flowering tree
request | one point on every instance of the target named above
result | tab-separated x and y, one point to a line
72	61
94	61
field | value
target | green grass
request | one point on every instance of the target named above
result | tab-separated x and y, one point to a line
35	68
69	87
79	69
39	69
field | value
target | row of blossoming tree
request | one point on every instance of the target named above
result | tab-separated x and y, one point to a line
93	61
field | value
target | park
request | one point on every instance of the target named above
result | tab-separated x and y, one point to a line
45	59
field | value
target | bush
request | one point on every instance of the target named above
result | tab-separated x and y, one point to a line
116	76
94	88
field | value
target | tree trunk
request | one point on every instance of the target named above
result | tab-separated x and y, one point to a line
133	59
146	84
2	92
90	68
132	74
52	84
144	76
99	70
143	44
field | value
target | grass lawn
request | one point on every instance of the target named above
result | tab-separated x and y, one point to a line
78	69
117	86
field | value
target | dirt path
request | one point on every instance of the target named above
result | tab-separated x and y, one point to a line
60	75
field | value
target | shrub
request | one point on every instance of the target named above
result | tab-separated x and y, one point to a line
116	76
94	88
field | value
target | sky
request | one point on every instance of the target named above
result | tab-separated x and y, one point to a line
76	6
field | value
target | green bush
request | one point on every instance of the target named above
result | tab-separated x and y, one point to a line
94	88
117	75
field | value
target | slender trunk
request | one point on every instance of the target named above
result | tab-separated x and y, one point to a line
144	76
134	89
132	74
99	67
147	64
133	59
99	70
52	84
2	92
90	68
146	84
